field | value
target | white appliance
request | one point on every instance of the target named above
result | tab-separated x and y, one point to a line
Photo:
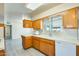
1	38
65	49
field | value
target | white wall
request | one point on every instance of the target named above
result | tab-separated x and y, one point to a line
17	28
1	19
56	9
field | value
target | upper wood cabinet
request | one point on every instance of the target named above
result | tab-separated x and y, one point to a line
37	24
27	23
27	42
70	18
77	50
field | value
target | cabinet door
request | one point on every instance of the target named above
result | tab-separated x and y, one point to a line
2	53
37	24
51	50
77	50
65	49
44	47
1	25
70	18
27	42
27	23
36	43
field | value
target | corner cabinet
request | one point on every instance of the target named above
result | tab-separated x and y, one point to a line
27	23
70	18
26	42
37	24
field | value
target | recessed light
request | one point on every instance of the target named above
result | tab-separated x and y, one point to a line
34	6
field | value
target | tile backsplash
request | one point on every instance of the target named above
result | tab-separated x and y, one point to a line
64	33
38	32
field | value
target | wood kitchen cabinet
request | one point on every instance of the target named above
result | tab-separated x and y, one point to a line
27	42
47	47
27	23
70	18
43	45
37	24
1	25
2	53
36	42
77	50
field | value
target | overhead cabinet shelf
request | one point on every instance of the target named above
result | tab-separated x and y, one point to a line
27	23
66	19
70	18
37	24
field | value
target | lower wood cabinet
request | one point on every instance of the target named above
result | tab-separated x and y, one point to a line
36	42
1	25
26	42
2	53
43	45
77	50
47	47
51	50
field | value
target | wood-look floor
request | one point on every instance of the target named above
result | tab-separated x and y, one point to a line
14	48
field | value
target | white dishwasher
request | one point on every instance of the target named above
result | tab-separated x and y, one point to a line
65	48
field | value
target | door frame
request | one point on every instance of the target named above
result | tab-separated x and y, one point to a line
10	31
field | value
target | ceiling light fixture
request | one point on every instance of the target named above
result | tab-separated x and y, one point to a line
33	6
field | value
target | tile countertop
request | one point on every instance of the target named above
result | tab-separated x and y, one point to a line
58	38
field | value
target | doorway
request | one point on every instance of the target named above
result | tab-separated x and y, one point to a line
8	32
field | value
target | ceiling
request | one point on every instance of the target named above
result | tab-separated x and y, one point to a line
44	8
16	9
12	10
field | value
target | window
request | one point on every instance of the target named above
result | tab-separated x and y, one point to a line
56	23
46	25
